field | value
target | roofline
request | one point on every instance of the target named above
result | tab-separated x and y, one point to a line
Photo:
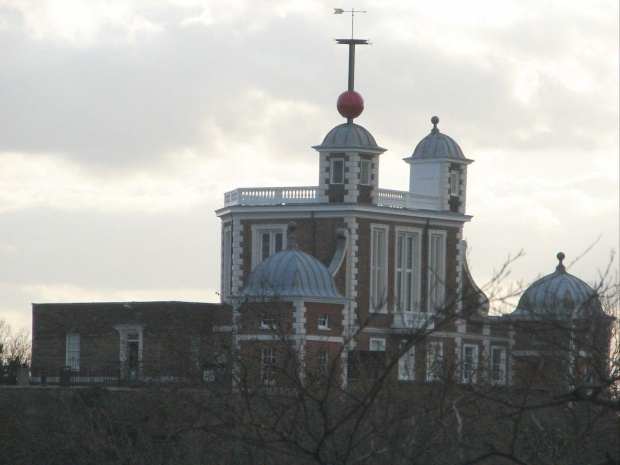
129	302
349	148
337	210
462	161
278	298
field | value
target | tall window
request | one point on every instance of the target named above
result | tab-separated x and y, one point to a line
498	365
73	351
407	283
194	350
266	241
322	362
226	261
377	345
323	322
337	171
267	367
470	363
434	361
365	167
378	268
131	336
436	270
406	364
454	183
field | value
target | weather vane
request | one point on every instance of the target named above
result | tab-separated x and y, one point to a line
339	11
350	104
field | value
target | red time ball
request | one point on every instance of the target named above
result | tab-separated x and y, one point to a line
350	104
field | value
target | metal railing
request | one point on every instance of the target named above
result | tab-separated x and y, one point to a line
122	374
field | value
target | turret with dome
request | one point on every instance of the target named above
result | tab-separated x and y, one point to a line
559	295
561	332
291	274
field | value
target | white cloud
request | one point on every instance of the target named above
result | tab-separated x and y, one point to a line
79	22
124	122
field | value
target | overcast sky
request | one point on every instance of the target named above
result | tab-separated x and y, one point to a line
122	123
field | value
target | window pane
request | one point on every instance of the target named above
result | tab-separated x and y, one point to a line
264	245
454	183
434	361
73	351
278	242
227	262
365	173
378	272
337	171
406	364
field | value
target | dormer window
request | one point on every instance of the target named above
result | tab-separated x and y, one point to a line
267	239
365	173
454	183
268	321
337	171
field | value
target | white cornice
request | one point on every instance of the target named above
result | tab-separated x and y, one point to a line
332	210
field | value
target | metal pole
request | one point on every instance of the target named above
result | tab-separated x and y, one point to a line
351	66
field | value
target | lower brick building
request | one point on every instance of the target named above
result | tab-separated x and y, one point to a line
112	342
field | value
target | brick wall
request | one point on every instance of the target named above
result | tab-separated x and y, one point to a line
168	330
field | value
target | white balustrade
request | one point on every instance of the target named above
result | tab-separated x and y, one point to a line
301	195
409	200
413	320
270	195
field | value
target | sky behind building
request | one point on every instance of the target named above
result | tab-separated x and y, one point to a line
122	123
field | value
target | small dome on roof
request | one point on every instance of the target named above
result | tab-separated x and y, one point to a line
290	274
349	135
559	294
437	145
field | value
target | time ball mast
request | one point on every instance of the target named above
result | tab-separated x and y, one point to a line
350	103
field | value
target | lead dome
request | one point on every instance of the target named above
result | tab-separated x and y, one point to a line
291	274
559	294
349	135
437	145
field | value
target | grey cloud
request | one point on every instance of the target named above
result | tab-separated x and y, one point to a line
114	250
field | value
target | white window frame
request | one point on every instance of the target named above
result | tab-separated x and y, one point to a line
436	270
406	275
376	344
322	362
323	321
406	363
257	245
379	238
332	170
434	361
469	367
226	284
267	320
497	365
219	354
194	350
267	366
72	354
365	172
454	183
124	331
